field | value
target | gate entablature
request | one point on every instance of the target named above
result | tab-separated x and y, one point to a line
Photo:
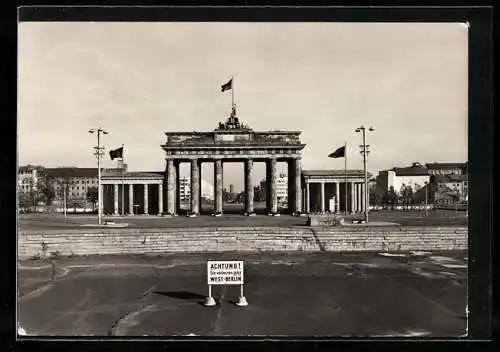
233	144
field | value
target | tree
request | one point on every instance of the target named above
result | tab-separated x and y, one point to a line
466	194
406	193
92	196
41	189
432	190
75	203
48	194
226	196
25	200
392	197
376	196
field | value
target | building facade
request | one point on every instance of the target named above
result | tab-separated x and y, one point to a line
416	176
451	188
27	178
77	181
184	189
207	189
447	168
281	188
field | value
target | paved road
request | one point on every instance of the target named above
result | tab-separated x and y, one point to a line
75	222
47	222
294	294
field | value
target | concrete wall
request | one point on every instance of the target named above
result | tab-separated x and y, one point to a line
137	241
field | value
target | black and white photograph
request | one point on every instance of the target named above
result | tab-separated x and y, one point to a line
242	179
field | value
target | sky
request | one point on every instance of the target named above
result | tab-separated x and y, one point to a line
138	80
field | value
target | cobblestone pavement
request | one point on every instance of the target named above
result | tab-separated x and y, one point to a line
289	294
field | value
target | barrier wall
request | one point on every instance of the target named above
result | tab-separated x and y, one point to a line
156	241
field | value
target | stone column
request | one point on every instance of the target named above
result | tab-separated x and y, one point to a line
200	203
218	186
308	198
352	197
177	192
356	197
273	197
322	197
248	187
355	208
268	187
303	200
195	184
131	199
337	197
115	194
289	185
171	180
297	191
146	199
160	199
363	200
360	202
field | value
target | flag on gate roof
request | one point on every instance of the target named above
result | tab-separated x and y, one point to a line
228	85
339	153
117	153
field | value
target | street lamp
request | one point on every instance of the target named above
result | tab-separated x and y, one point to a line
365	152
99	153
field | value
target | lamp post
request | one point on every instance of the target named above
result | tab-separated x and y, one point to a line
365	152
99	153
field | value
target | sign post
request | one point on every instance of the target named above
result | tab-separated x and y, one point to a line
225	273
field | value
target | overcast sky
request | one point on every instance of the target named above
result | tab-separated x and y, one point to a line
139	80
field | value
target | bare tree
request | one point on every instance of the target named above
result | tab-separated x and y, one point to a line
92	196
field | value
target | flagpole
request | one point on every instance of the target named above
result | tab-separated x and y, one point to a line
123	179
345	174
232	93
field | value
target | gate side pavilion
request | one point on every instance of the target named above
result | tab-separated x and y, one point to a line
319	186
144	192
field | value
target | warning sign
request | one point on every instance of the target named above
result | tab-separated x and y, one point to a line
225	272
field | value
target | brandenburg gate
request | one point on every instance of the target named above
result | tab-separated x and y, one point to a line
158	193
233	142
